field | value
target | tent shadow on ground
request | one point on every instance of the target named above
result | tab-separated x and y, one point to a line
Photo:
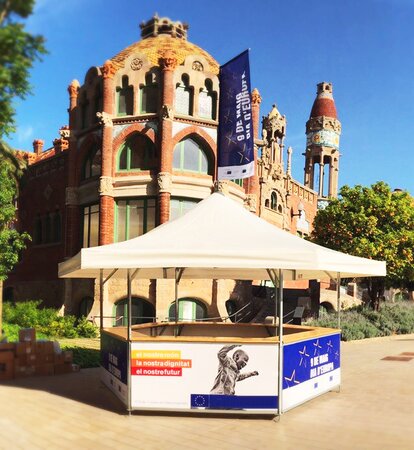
86	387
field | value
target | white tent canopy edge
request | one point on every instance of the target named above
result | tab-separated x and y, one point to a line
218	239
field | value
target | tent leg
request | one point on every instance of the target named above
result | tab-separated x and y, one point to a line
281	365
176	295
101	284
338	298
176	281
129	311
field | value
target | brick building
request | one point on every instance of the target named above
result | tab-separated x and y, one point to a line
139	150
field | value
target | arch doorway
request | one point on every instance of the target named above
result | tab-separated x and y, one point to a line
142	312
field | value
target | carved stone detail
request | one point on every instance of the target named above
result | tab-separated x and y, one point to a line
71	197
274	125
48	192
105	119
73	88
164	180
64	132
221	186
106	187
136	64
197	66
256	97
250	202
169	60
108	69
60	144
167	112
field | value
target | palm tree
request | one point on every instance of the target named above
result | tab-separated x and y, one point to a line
9	157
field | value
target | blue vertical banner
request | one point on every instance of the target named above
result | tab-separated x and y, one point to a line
235	131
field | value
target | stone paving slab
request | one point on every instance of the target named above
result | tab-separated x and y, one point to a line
374	410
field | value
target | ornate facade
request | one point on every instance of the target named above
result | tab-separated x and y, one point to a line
139	150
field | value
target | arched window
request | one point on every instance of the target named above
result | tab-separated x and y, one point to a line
188	309
190	156
207	100
179	206
149	94
98	102
142	312
184	97
138	152
85	307
92	164
125	98
38	231
48	229
134	217
57	227
90	225
273	201
84	111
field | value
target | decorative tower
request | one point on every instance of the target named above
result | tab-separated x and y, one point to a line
322	145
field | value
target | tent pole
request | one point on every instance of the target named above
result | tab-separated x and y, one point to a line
280	301
101	299
129	305
129	310
273	278
176	295
338	298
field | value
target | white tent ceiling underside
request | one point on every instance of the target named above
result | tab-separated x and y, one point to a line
218	239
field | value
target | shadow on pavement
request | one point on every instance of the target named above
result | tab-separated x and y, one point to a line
84	386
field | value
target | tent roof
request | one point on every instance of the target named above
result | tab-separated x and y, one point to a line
218	239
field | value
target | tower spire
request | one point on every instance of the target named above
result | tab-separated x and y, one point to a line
323	130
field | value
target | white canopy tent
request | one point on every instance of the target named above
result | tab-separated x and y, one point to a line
218	239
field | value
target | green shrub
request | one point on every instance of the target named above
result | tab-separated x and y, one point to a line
61	326
85	357
11	331
47	321
86	329
362	322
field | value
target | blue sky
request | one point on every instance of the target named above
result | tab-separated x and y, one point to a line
364	47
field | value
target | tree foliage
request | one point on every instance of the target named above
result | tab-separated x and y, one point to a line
18	51
376	223
11	241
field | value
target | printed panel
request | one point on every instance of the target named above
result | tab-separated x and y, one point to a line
204	376
311	368
114	357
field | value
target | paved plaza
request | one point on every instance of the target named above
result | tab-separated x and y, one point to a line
374	410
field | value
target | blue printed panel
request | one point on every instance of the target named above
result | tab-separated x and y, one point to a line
207	401
307	360
114	356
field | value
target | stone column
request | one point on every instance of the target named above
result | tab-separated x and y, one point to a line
333	175
106	206
168	65
289	162
71	235
321	176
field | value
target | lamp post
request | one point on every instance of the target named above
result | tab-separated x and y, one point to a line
301	208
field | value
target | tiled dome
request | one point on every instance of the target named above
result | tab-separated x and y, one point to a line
159	35
324	104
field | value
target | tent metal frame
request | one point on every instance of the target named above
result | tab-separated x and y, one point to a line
275	275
